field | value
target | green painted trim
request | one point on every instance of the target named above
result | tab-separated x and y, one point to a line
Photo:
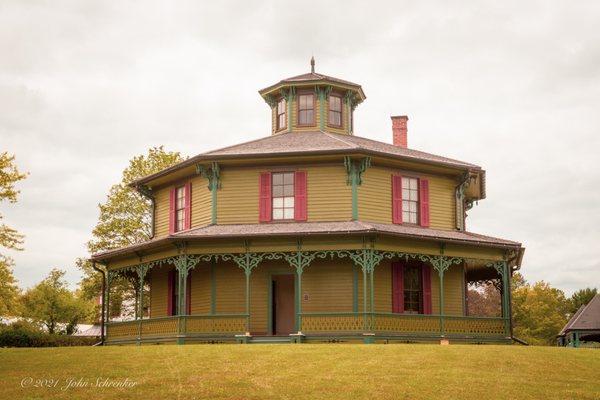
213	174
321	93
354	288
213	288
441	313
464	290
354	170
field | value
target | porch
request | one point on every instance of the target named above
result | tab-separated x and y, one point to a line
337	295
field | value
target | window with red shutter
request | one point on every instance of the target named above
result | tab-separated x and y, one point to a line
172	292
187	219
397	287
188	296
426	271
172	200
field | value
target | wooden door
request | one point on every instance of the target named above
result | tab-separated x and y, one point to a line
283	304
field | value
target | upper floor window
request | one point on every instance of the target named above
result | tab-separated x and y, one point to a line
281	117
180	209
306	109
335	110
410	200
283	195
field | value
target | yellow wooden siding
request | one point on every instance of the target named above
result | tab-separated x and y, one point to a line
375	198
200	287
230	289
201	202
327	287
328	196
237	200
158	282
161	212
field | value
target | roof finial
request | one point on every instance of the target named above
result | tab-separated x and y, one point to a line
312	64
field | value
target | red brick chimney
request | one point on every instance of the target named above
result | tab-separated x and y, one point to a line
399	130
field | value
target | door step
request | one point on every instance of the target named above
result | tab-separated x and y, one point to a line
269	339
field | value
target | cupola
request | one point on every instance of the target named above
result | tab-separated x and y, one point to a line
313	102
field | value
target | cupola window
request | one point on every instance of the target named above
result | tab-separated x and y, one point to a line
281	117
306	109
335	110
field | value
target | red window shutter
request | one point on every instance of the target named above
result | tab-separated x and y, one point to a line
396	199
426	278
424	201
188	294
300	196
172	200
264	203
188	206
397	287
170	294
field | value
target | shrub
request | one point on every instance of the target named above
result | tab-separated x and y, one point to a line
26	335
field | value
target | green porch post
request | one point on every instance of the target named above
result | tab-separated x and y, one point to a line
141	269
299	260
213	288
213	174
247	262
505	298
575	339
441	265
183	263
109	277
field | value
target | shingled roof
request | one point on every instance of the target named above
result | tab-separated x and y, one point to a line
586	318
318	228
311	77
313	143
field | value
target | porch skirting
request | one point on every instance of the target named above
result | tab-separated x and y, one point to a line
317	328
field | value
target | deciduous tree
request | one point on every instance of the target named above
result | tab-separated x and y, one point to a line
581	298
125	219
52	304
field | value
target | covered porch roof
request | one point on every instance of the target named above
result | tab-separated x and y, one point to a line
305	229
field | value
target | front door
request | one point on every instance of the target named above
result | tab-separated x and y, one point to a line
283	304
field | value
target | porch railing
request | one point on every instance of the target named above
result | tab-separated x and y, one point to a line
402	324
177	326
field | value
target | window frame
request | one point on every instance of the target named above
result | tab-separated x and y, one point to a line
420	291
418	202
314	108
341	111
279	127
176	210
273	197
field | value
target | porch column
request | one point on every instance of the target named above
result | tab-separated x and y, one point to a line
109	278
441	265
247	262
183	263
141	269
299	260
505	298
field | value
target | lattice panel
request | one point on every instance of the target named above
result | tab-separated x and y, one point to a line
122	330
159	327
215	324
406	323
474	326
332	323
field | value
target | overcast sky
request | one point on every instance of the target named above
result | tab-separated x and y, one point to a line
513	87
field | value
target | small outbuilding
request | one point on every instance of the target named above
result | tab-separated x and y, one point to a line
584	325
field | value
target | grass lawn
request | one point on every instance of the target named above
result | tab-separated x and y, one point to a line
334	371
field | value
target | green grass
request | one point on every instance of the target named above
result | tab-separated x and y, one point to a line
334	371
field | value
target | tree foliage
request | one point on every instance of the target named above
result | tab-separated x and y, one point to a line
9	291
125	219
539	312
52	304
484	301
581	298
9	176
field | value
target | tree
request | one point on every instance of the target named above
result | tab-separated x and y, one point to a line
52	304
9	291
484	301
9	237
125	219
581	298
539	312
9	175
